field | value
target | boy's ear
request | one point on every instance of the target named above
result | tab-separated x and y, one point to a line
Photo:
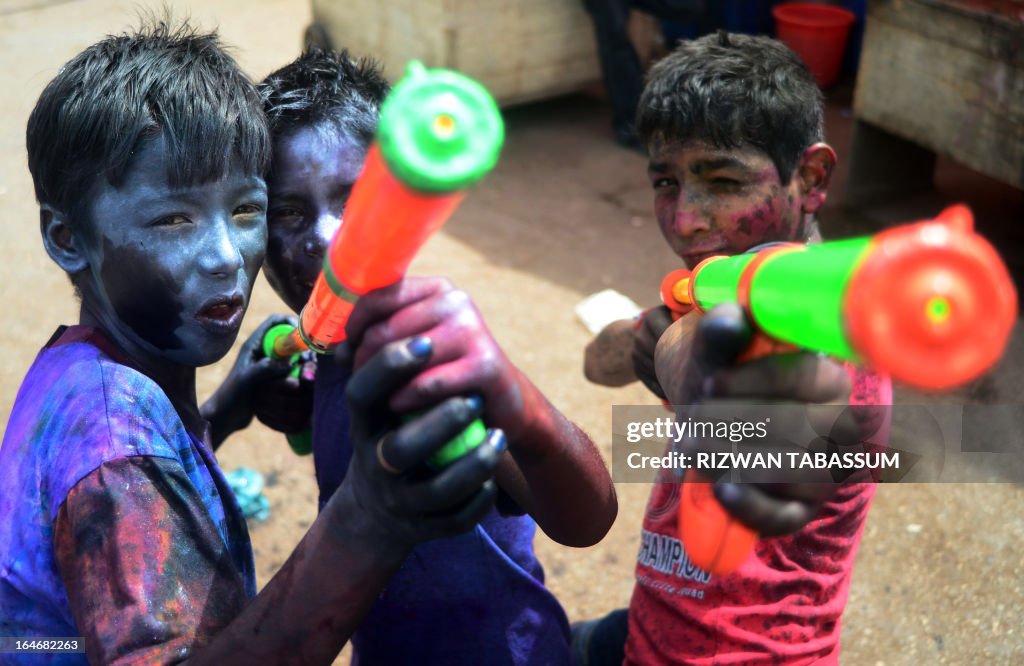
814	173
60	241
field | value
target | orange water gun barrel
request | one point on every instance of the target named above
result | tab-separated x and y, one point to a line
386	223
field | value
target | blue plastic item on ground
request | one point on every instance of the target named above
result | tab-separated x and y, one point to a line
247	484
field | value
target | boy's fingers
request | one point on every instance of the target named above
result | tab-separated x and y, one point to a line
769	516
653	385
814	488
343	354
645	341
674	365
461	478
656	320
284	394
267	369
461	518
287	388
437	383
386	371
800	377
382	303
418	439
419	318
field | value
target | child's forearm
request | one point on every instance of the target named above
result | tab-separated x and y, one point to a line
311	607
556	474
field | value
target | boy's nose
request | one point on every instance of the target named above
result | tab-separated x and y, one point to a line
689	222
221	256
323	232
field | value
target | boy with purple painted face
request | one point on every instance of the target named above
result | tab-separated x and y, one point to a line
475	598
148	154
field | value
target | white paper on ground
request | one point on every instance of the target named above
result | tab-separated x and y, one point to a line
598	310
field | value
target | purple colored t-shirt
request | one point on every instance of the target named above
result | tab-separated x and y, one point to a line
79	409
477	598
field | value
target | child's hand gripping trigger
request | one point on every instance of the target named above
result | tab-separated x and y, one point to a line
274	346
277	338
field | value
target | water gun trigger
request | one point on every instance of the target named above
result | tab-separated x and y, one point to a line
279	343
273	343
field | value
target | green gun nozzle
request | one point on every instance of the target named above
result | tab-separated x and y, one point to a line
439	131
273	334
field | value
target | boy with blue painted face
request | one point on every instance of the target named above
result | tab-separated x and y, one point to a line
475	598
148	152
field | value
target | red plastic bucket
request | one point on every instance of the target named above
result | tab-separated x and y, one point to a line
817	33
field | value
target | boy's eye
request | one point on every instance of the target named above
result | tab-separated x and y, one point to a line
171	221
248	211
725	182
286	215
663	183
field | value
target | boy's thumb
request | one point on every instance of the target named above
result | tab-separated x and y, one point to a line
722	335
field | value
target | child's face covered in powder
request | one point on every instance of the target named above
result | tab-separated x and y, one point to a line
314	169
711	200
171	267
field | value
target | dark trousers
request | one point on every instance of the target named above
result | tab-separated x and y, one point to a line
620	66
601	642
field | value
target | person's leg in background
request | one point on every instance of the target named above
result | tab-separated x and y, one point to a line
621	68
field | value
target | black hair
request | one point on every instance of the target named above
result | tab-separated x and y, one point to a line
733	90
174	82
325	87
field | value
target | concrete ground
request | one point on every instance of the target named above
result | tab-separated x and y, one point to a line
567	213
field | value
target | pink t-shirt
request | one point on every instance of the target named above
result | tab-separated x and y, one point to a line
782	606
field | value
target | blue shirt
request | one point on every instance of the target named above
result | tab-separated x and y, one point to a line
76	410
477	598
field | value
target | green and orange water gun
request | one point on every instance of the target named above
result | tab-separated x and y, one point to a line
930	303
439	133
